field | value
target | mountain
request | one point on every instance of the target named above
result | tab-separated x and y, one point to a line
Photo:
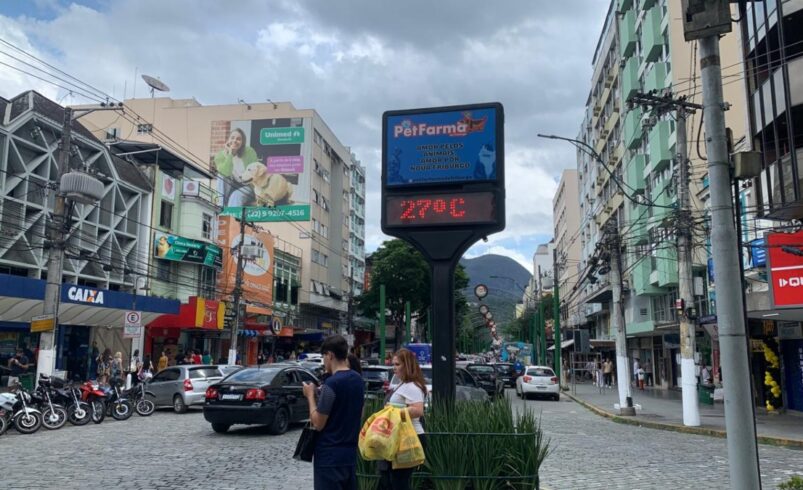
503	293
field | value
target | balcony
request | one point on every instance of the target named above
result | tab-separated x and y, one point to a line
624	5
627	34
637	231
199	190
635	172
652	39
660	153
647	4
632	133
630	81
641	277
655	79
667	266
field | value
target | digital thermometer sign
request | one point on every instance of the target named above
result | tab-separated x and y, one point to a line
424	209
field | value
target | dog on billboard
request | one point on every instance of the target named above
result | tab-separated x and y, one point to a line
269	189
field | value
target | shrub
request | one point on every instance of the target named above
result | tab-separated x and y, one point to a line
794	483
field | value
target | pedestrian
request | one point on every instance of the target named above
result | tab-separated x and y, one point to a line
145	370
636	367
162	361
292	355
410	394
207	358
354	364
705	375
117	367
648	380
336	415
640	377
196	357
134	365
18	365
261	358
93	361
104	366
607	372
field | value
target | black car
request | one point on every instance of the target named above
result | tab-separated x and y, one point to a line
377	379
267	395
486	377
507	373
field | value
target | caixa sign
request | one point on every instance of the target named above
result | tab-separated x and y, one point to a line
785	265
80	294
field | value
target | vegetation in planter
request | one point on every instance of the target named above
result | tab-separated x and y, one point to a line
794	483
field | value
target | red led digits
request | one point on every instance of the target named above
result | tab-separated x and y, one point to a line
453	210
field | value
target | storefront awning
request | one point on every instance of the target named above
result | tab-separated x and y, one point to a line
564	344
199	313
22	298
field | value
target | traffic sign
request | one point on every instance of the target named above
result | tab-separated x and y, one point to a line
276	325
132	327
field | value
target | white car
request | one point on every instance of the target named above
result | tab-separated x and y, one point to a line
539	381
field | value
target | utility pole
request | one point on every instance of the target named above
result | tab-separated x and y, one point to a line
660	106
55	263
739	420
541	321
238	289
618	322
381	324
556	315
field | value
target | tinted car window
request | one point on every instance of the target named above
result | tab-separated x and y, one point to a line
540	372
166	375
481	369
253	375
504	368
283	378
468	379
204	372
306	377
375	374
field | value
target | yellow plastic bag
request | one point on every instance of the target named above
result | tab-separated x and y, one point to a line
379	436
410	452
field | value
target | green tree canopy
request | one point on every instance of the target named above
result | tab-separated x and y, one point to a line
407	277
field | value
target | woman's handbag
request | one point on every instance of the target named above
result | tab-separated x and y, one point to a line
306	444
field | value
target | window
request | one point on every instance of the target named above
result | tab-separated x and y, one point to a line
207	284
325	261
166	215
206	226
324	231
316	256
317	137
163	269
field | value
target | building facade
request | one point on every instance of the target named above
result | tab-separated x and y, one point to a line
566	222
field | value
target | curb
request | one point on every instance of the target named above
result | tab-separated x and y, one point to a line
773	441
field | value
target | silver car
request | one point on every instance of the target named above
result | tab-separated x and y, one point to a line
466	389
183	386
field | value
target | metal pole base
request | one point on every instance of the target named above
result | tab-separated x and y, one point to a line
627	411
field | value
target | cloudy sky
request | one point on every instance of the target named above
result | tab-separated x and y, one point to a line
348	59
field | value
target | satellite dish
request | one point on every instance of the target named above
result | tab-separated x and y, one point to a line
155	84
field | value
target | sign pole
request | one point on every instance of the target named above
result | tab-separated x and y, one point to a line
382	333
443	331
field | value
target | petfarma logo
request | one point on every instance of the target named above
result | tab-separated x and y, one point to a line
466	125
83	295
792	282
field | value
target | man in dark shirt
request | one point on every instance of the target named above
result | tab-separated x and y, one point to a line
18	365
336	414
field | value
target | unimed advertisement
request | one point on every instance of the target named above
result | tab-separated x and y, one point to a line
257	272
263	165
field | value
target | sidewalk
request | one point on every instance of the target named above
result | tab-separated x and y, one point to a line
663	409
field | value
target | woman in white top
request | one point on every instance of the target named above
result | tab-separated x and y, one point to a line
410	393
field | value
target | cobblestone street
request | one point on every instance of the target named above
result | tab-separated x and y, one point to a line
181	452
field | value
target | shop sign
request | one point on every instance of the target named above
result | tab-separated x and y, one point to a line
42	323
85	295
758	253
180	249
785	267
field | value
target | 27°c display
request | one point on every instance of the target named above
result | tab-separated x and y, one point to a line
422	209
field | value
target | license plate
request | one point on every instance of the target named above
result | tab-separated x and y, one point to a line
231	397
540	387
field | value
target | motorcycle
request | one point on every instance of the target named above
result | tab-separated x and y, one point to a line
54	416
92	394
78	411
138	396
17	409
117	405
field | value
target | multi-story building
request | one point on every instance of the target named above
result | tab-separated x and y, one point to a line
642	49
107	243
566	222
321	185
772	43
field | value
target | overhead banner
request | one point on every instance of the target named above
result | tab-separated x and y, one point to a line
180	249
257	272
441	147
785	264
263	165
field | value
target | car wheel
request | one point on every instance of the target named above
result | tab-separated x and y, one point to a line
556	398
220	428
281	420
178	404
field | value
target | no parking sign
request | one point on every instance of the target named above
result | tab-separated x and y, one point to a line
133	325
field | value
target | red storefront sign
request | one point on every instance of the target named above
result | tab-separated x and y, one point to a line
785	267
196	313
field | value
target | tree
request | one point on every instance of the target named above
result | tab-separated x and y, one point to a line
519	328
407	277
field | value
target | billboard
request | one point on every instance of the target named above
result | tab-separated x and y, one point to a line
263	165
785	264
180	249
257	272
441	147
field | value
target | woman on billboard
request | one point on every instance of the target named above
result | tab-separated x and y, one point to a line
230	163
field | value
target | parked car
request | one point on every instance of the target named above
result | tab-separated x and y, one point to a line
487	378
467	388
227	369
538	381
507	373
377	380
269	395
182	386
